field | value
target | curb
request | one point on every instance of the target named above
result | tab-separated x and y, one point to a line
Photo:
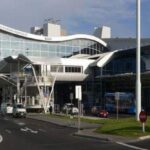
107	139
92	137
144	137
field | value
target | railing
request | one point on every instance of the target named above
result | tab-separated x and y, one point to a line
40	79
14	75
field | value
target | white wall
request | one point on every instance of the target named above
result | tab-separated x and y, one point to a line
103	32
76	62
51	30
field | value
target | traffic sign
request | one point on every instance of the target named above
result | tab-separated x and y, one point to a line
143	116
78	91
117	95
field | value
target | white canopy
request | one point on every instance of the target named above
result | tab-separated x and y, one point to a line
103	59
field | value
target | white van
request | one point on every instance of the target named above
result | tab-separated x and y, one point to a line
6	108
19	110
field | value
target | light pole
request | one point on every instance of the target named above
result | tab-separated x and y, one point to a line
138	59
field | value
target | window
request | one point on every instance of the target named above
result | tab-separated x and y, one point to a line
56	68
73	69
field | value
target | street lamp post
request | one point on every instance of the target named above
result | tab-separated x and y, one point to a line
138	59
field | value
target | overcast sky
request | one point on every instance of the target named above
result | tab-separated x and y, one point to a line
77	16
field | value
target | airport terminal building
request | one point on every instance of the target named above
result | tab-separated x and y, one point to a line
40	71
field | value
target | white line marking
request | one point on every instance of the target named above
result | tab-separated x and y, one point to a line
130	146
1	139
24	130
35	132
28	129
21	123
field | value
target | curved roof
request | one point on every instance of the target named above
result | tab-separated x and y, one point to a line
50	39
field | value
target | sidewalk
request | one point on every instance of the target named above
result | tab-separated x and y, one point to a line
89	133
63	122
87	129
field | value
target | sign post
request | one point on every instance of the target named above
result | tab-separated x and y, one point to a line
117	96
143	118
71	97
78	96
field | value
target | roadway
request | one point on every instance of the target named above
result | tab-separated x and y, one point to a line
28	134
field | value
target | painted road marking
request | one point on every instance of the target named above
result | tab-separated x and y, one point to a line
131	146
26	129
1	139
21	123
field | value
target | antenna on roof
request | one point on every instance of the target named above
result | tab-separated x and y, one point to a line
51	20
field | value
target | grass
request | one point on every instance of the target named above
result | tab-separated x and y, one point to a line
127	127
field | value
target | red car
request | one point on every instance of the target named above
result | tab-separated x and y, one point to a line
103	113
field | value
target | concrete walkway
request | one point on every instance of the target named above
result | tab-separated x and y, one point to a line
63	122
87	129
90	133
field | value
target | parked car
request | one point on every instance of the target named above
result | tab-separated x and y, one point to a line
19	110
69	108
95	110
6	108
99	111
103	113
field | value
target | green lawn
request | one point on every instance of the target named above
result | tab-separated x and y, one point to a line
128	127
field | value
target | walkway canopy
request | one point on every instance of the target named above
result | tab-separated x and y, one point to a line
13	63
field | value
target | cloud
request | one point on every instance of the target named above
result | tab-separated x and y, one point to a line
76	15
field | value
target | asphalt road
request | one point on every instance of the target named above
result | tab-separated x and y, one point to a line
28	134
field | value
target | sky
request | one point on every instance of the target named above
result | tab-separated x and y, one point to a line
77	16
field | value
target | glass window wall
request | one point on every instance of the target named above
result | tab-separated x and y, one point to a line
16	45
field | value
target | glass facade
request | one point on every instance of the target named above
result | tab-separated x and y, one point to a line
13	45
119	75
120	64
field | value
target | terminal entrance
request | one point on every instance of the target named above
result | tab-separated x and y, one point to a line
65	93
